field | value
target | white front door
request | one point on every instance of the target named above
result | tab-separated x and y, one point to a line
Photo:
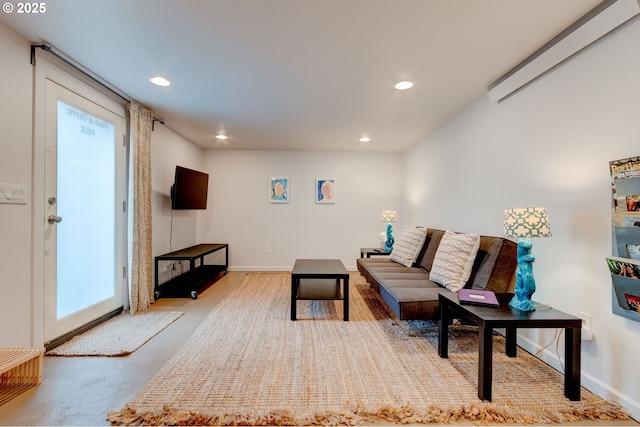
85	212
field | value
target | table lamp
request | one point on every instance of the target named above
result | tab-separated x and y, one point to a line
525	223
389	217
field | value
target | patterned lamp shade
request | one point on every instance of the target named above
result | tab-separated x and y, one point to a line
526	222
389	216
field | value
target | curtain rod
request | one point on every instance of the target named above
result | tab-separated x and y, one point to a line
87	73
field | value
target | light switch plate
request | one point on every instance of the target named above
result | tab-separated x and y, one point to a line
14	194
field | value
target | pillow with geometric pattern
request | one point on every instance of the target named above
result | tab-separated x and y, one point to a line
407	246
454	259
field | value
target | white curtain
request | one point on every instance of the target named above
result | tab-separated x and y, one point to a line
141	287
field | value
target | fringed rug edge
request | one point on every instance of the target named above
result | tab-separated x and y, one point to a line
481	412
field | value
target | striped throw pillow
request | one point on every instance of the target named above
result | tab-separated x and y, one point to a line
407	246
454	259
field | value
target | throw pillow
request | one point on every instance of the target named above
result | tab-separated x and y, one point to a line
407	246
454	259
426	262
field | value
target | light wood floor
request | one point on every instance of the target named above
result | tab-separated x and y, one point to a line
83	390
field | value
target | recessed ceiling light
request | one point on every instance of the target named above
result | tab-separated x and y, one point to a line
365	139
221	136
160	81
404	85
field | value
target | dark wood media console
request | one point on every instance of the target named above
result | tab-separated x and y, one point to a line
198	275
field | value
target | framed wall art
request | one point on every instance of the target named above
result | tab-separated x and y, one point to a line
279	190
325	191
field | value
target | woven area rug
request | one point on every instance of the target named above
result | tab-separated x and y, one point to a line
118	336
249	364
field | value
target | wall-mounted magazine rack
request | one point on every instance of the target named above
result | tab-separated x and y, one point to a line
624	265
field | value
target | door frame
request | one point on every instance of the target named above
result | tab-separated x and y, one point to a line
50	68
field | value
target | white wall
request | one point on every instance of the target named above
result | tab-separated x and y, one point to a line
240	214
15	168
549	146
172	230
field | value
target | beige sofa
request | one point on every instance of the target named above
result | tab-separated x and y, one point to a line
408	290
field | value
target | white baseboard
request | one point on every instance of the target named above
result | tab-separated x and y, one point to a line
588	381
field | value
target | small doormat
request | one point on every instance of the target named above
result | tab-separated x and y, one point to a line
118	336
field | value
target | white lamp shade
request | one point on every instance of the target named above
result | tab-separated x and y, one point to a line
389	216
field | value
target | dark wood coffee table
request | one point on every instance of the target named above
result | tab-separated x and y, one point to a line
489	318
319	279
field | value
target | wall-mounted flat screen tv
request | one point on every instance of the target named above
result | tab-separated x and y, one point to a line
189	189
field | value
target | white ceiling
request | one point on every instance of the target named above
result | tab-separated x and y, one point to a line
300	74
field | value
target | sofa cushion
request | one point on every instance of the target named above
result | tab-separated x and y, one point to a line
412	302
454	259
407	274
431	246
375	262
494	265
407	246
411	283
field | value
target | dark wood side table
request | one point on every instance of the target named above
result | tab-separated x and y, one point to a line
372	251
489	318
309	280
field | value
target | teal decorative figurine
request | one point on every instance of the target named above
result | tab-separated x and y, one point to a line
525	282
388	245
389	217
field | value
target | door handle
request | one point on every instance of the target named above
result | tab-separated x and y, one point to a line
54	219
